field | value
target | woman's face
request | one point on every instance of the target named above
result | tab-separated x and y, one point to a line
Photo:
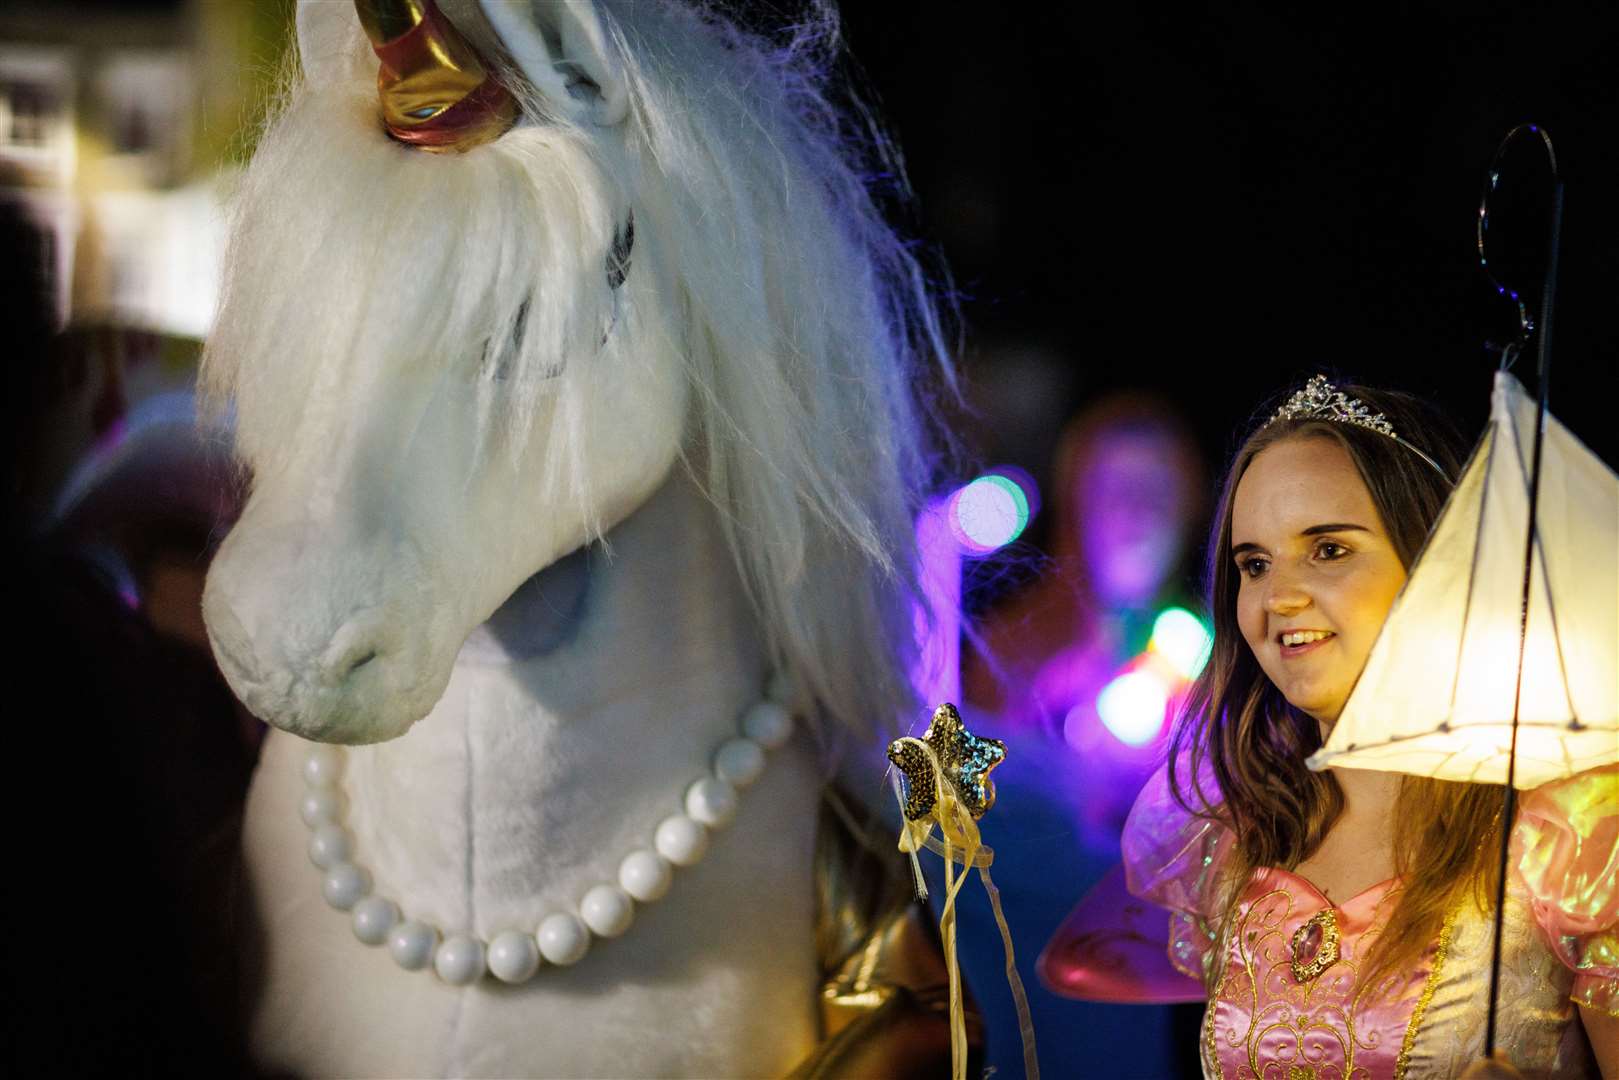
1316	568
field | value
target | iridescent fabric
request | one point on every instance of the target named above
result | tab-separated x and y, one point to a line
1427	1020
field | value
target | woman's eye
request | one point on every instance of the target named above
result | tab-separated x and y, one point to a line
1252	568
1330	550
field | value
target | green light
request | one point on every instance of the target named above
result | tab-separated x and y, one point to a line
1182	639
1019	499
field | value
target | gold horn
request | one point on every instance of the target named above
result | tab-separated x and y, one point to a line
436	92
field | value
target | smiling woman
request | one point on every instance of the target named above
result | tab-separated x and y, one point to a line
1340	921
1316	570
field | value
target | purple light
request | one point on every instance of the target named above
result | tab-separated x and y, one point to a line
936	617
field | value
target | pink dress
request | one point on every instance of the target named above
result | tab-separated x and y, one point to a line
1289	1002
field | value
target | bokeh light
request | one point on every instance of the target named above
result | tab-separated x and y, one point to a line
988	514
1183	640
1132	706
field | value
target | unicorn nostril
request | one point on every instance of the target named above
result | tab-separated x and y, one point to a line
357	644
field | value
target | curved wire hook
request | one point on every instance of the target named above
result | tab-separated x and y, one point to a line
1526	321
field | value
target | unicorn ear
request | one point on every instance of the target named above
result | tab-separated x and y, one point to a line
562	49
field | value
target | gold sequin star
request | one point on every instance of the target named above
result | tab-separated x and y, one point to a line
965	758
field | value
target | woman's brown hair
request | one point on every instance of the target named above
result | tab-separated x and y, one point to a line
1237	728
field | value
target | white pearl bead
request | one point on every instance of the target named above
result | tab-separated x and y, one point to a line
607	911
459	960
563	939
513	956
322	764
711	801
680	840
329	845
374	917
321	806
781	688
767	724
345	884
412	944
644	875
739	762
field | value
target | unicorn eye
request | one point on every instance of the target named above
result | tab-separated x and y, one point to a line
499	354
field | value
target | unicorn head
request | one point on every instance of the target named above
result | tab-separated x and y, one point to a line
451	369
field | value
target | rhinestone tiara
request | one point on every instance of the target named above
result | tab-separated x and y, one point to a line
1320	400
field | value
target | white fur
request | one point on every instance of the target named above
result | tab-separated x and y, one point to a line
523	787
418	450
365	280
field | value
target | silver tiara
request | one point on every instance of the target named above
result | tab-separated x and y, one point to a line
1320	400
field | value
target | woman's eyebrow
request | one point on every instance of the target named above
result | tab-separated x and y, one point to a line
1313	530
1317	530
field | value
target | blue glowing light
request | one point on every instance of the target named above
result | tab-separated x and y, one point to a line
1181	639
1132	706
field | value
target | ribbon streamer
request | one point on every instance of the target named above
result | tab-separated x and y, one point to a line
960	845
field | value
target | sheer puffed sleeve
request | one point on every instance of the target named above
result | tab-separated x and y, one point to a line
1568	858
1172	858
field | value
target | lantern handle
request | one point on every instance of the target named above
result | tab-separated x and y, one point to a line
1528	327
1492	180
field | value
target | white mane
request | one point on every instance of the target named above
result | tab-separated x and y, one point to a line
803	326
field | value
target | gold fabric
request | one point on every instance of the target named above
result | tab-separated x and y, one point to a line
1538	1028
885	996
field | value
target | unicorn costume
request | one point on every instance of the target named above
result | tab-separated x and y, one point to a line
579	377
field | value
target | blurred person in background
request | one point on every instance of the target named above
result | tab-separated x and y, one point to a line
1128	494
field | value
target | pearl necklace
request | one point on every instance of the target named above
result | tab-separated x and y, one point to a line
561	938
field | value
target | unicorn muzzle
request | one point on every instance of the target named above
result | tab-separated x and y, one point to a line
314	641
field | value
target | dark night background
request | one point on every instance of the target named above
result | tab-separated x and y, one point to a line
1216	200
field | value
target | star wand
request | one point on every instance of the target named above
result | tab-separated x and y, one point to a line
946	785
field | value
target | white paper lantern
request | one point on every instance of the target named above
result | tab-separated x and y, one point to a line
1436	697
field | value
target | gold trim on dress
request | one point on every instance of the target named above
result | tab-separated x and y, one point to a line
1429	985
1211	1051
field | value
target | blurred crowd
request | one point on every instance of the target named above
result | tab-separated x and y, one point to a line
131	758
